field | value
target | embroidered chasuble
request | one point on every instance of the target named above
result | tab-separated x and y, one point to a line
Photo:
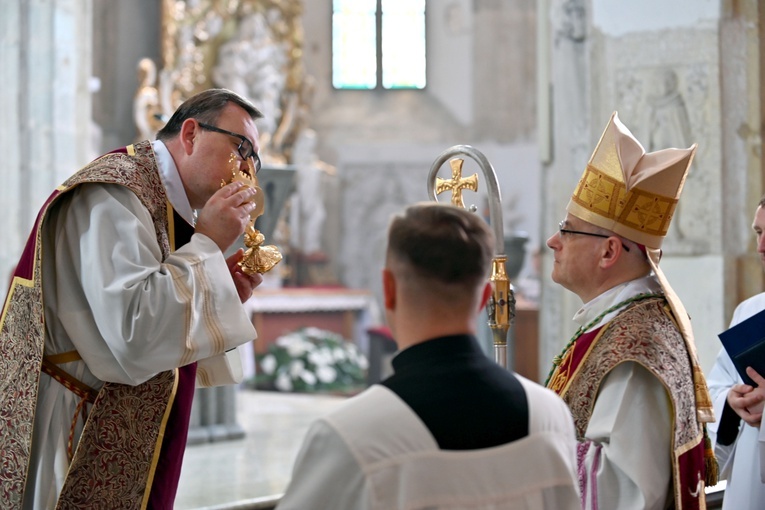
130	430
661	350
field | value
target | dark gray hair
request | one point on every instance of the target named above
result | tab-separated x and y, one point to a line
205	107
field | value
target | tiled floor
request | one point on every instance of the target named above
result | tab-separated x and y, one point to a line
258	465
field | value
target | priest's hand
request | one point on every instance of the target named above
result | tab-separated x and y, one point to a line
747	401
226	215
245	283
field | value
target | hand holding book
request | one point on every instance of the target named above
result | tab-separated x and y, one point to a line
745	344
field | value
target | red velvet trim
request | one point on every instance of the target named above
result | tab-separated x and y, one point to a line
25	267
691	473
383	331
581	346
168	471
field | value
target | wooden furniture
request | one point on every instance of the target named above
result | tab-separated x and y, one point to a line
348	312
525	338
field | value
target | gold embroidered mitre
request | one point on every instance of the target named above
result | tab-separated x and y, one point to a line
627	191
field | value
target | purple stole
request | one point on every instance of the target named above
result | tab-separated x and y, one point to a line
168	470
661	350
131	448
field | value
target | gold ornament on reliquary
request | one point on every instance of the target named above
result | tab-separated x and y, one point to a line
257	257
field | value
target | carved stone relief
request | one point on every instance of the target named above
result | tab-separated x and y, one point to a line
379	190
671	102
569	66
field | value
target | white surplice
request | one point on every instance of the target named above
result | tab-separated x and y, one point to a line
627	460
741	463
375	453
129	314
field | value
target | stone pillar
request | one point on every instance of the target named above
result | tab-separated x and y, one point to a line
125	32
45	108
503	69
743	182
213	415
564	27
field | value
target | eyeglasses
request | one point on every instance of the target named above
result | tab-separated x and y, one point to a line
245	148
563	230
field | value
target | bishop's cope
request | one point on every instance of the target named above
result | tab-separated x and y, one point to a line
630	373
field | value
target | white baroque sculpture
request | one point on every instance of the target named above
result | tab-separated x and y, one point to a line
254	64
308	211
147	110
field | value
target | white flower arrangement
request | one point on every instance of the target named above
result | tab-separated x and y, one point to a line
312	360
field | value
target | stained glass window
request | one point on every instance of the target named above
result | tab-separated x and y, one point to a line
378	43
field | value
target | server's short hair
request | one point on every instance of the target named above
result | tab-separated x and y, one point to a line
442	243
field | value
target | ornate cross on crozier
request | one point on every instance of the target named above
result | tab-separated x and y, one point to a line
501	305
457	183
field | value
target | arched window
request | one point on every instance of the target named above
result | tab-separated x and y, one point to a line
378	44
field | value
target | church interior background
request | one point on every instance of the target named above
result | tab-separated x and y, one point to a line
530	83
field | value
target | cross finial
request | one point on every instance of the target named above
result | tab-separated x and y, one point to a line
457	183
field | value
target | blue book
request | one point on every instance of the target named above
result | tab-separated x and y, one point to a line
745	344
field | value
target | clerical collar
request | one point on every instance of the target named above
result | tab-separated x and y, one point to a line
613	296
435	350
172	182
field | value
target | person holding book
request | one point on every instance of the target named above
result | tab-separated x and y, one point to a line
630	374
739	438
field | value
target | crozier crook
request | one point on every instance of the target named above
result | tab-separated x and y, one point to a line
501	305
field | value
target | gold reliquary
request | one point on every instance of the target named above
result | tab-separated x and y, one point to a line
257	257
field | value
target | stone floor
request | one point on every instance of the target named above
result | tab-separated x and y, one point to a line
259	465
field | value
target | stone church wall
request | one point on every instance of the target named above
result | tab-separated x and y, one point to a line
481	92
663	67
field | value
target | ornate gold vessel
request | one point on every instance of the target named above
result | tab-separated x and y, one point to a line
257	257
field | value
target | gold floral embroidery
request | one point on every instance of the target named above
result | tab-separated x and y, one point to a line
661	350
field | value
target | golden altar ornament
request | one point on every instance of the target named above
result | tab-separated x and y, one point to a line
257	258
